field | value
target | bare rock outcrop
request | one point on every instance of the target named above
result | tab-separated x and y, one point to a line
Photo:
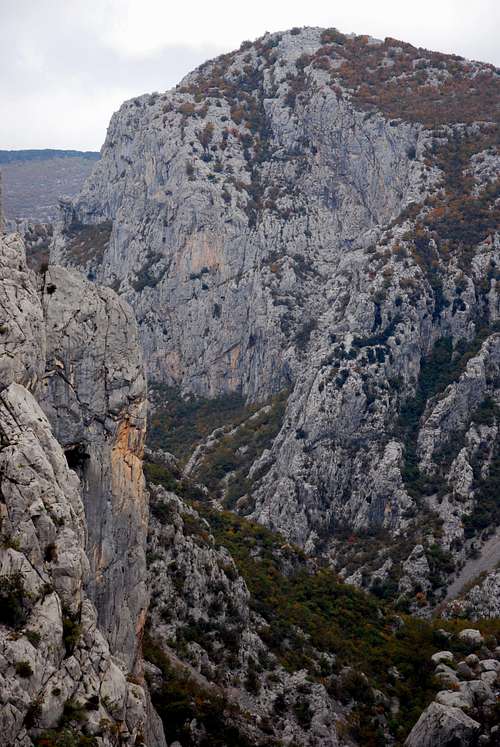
464	711
481	601
66	667
443	725
22	335
56	666
95	397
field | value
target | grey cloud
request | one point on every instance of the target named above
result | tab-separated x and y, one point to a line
60	80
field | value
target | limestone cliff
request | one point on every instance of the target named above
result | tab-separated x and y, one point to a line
94	393
319	212
71	662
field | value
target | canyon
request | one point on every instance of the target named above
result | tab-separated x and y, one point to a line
297	248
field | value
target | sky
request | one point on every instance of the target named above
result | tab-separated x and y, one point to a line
67	65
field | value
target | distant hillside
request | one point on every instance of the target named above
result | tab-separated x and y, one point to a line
11	156
34	180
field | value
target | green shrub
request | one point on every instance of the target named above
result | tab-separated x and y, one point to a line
73	711
33	714
72	631
33	637
303	713
181	699
50	555
236	452
179	424
252	683
13	600
23	669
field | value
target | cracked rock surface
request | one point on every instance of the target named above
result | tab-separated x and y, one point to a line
94	394
61	666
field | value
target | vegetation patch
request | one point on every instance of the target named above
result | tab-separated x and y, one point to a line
178	424
414	84
64	737
72	631
308	612
235	453
87	243
181	699
13	600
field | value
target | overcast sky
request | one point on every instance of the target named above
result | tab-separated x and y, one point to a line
66	65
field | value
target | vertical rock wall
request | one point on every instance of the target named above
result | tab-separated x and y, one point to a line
95	397
73	594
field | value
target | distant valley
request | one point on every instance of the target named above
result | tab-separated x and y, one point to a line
33	180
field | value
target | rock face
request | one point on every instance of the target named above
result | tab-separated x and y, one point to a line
320	212
22	326
95	396
218	297
37	238
63	667
482	601
443	725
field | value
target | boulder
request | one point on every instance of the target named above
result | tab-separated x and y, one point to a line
442	656
490	665
471	637
453	698
446	675
445	726
464	671
472	661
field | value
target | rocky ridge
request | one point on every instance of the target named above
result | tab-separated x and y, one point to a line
480	601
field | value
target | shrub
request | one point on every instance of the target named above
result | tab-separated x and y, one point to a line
332	36
13	599
92	703
33	714
206	134
180	699
11	543
303	713
252	683
23	669
72	631
73	711
64	737
186	108
33	637
304	333
50	555
160	510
